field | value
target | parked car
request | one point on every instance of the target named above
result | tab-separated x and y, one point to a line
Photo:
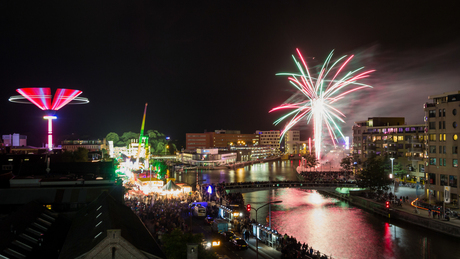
228	235
239	243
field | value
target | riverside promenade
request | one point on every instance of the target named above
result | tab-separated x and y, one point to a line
407	212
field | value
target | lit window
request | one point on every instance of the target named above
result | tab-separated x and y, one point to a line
455	137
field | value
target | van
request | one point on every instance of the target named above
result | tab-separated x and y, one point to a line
219	226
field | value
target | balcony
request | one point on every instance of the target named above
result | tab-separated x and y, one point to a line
430	105
392	148
416	149
415	158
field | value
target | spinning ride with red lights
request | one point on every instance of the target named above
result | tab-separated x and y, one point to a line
41	97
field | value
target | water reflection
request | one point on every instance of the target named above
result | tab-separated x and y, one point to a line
277	170
327	224
340	230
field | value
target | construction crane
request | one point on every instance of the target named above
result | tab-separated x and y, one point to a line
141	135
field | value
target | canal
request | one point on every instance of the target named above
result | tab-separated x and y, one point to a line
328	224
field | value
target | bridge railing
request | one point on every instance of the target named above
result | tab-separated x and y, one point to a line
283	184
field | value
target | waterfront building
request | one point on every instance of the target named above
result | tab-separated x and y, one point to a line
252	153
92	145
441	120
219	139
210	157
292	143
390	136
270	138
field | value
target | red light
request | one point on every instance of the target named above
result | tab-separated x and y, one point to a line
387	204
63	97
41	97
248	207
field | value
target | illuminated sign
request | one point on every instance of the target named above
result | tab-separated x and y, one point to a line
215	243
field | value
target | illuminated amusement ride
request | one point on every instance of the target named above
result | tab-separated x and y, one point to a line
319	95
42	97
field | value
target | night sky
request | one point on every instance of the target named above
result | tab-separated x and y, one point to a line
207	65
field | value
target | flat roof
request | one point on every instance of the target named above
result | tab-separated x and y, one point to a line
443	95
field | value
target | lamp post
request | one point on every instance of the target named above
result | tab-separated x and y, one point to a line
391	175
257	240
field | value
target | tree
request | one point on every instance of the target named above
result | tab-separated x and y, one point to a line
160	148
373	175
399	171
112	136
347	163
67	157
172	148
127	136
310	161
81	155
175	244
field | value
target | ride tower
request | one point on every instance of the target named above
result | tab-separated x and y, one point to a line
42	98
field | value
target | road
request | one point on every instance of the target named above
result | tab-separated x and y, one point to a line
225	250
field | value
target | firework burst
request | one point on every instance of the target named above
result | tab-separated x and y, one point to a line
321	93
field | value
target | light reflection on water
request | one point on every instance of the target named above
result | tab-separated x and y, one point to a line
340	230
329	225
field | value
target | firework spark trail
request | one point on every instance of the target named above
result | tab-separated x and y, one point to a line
319	97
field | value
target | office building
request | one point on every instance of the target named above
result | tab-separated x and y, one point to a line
270	139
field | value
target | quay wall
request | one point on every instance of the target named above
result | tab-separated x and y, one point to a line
441	226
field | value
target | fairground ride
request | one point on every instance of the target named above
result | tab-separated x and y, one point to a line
143	141
41	97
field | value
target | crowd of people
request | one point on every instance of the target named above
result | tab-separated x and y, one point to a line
161	215
327	176
291	248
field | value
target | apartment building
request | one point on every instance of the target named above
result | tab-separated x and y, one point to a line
442	115
390	135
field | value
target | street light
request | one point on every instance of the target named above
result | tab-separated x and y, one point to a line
391	175
391	158
257	240
166	148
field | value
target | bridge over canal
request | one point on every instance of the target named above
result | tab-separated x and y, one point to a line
258	186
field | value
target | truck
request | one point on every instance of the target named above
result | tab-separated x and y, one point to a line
219	226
